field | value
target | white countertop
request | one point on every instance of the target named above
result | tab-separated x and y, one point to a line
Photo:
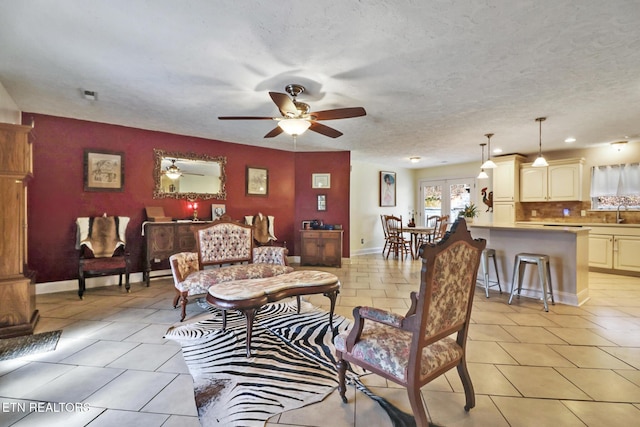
555	228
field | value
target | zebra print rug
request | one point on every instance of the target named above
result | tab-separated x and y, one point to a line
292	363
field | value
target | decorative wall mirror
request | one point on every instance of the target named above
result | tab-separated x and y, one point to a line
189	176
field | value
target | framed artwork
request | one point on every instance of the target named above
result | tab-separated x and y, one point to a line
217	211
387	188
103	170
257	181
321	180
322	202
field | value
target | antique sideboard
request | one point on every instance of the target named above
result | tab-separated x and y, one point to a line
163	239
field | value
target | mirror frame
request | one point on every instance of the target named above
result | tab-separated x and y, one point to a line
157	172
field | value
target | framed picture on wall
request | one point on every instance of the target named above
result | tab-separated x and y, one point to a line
322	202
387	188
103	170
321	180
257	181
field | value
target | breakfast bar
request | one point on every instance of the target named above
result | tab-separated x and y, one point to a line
566	246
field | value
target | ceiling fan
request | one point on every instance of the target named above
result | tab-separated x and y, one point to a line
173	172
297	117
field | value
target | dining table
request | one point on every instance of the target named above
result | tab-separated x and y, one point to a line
416	232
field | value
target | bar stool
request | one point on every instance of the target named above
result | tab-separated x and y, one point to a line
484	262
544	273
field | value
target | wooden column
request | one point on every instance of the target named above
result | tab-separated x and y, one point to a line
18	314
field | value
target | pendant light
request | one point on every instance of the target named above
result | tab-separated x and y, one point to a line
489	163
483	174
540	161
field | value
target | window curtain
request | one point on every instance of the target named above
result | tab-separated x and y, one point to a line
630	180
615	180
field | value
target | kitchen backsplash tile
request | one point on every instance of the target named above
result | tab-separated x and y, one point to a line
554	212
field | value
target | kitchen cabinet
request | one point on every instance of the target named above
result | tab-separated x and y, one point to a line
506	188
18	314
560	181
321	247
506	178
615	248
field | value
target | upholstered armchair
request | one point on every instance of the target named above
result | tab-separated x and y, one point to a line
102	246
414	349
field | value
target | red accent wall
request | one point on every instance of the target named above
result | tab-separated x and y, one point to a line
306	201
56	195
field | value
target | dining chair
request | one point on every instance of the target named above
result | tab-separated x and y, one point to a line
385	231
414	349
398	243
441	228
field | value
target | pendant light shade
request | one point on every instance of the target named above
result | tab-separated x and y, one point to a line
483	174
489	163
540	162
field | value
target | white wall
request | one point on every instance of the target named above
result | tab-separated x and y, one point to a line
365	207
9	112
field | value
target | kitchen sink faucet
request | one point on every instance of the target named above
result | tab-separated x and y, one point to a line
619	220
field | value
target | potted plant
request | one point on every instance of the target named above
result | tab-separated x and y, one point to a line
469	212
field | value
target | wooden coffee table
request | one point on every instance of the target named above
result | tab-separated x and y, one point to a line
251	294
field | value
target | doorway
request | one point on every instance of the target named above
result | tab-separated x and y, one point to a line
446	197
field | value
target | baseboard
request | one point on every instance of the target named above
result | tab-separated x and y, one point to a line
92	282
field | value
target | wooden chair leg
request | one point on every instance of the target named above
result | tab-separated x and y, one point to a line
467	385
341	365
415	399
185	300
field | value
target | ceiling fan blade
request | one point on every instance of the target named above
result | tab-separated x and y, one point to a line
244	118
274	132
339	113
325	130
284	103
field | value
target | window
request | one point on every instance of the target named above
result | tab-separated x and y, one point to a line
446	197
615	185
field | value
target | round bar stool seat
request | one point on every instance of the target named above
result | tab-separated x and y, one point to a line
484	262
544	274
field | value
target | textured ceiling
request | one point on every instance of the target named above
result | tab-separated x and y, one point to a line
434	76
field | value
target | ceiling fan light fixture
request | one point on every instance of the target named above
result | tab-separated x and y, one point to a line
540	162
173	171
294	126
619	145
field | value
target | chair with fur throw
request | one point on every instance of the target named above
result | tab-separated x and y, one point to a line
101	241
414	349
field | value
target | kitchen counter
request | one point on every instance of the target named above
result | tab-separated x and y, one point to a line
567	247
579	224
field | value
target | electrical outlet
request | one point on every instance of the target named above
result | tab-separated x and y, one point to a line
583	213
534	213
565	212
362	241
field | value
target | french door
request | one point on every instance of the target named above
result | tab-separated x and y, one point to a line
446	197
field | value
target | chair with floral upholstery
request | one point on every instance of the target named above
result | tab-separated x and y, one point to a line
414	349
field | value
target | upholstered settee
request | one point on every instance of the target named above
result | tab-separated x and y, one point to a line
225	253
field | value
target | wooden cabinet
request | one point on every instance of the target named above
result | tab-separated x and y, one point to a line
504	213
321	247
18	315
163	239
625	253
601	251
560	181
614	248
506	178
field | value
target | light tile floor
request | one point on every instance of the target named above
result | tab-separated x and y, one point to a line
573	366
